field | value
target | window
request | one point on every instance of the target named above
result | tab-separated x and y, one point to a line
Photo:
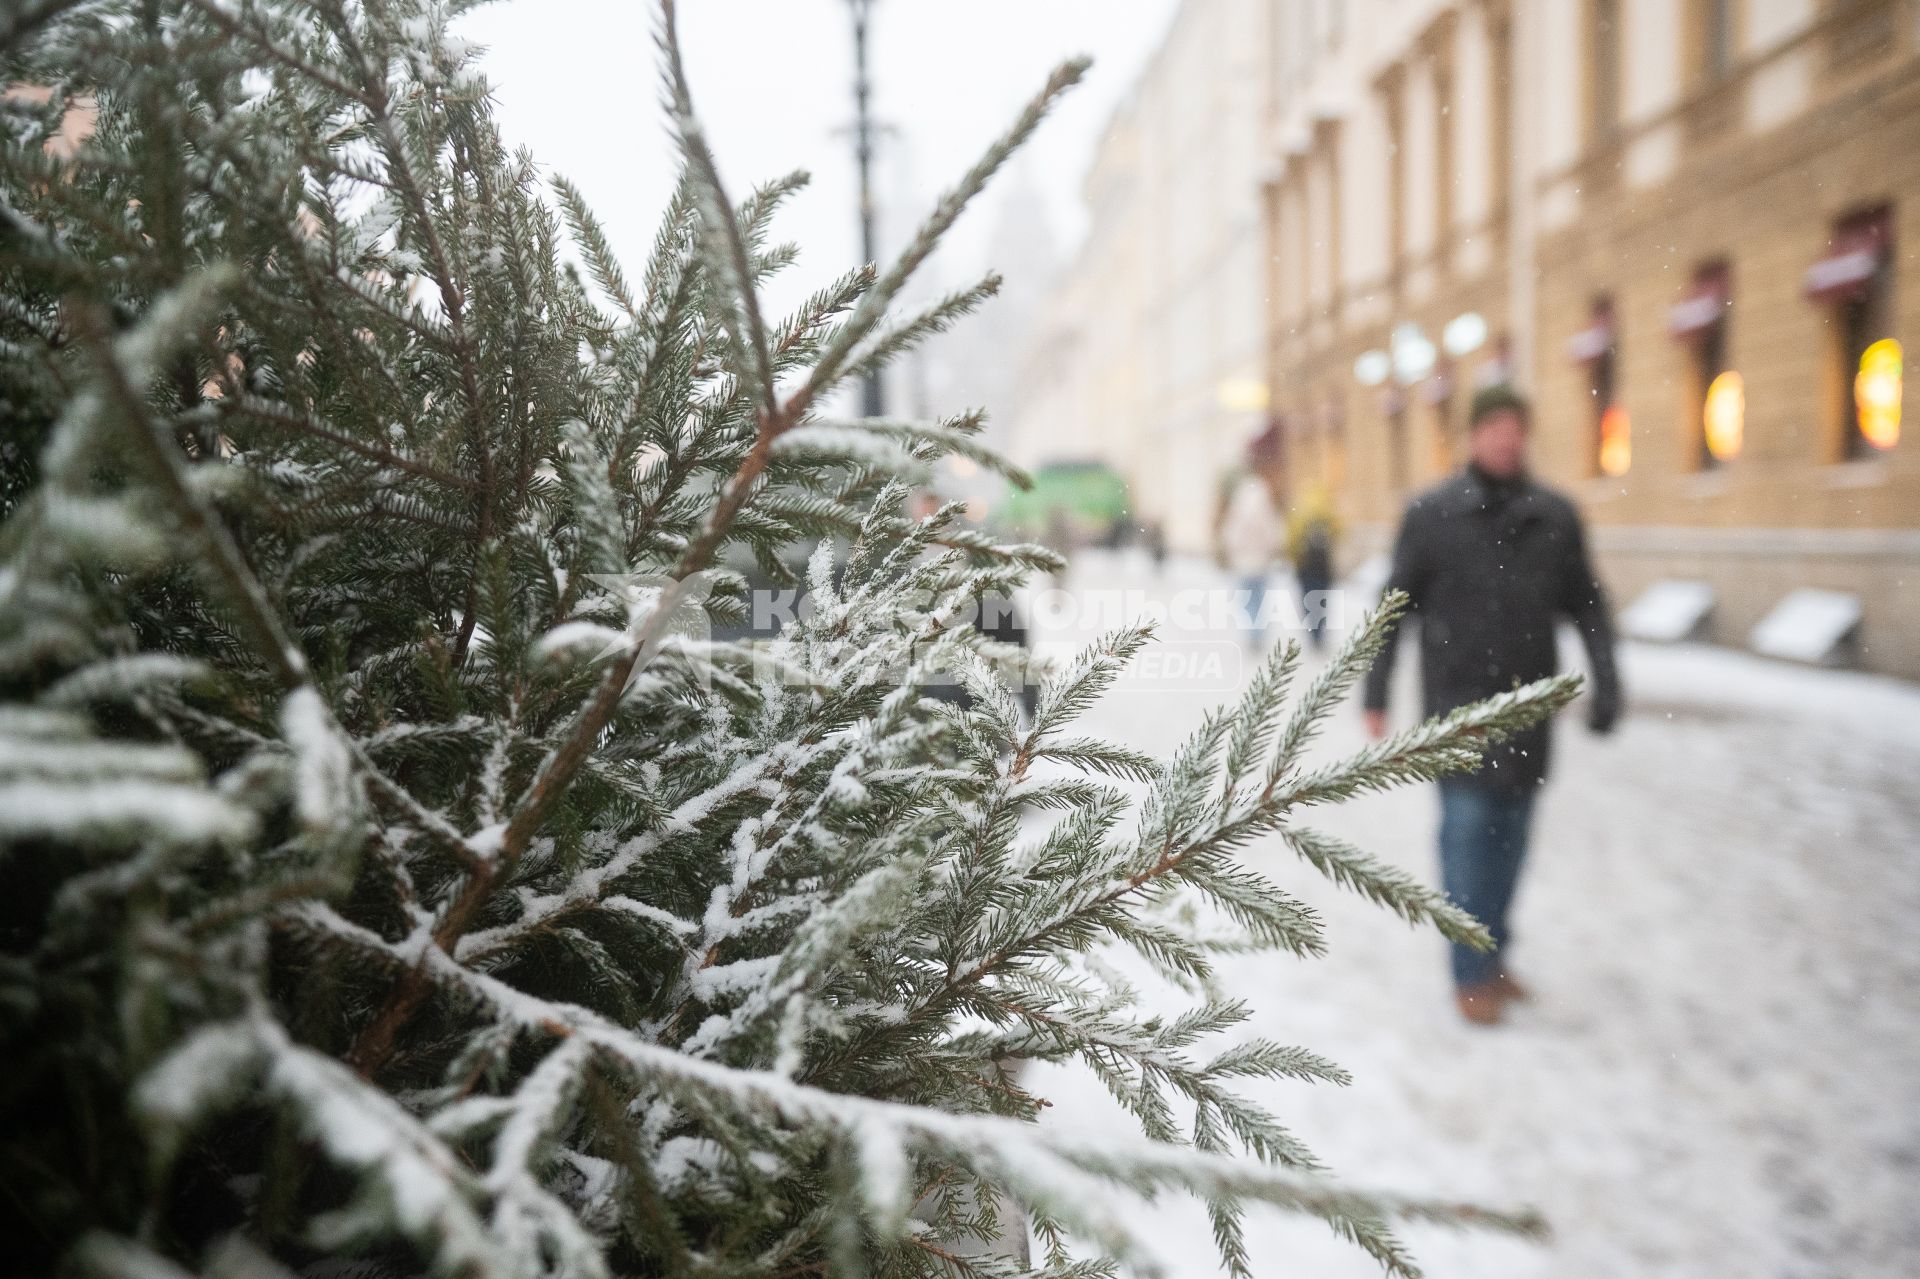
1860	327
1723	417
1333	458
1276	213
1500	81
1877	392
1713	40
1444	172
1854	281
1603	70
1609	430
1716	398
1280	56
1392	99
1719	39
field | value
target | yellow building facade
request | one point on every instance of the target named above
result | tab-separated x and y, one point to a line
1690	229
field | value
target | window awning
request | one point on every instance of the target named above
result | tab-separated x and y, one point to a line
1269	445
1854	257
1594	341
1704	306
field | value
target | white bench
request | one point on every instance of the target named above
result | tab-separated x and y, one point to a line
1668	611
1809	625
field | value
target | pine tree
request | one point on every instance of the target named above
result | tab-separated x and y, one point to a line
391	874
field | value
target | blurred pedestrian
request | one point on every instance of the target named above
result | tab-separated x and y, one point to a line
996	615
1312	531
1488	560
1250	534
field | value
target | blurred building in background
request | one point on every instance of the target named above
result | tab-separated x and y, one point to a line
1690	228
1148	355
1679	223
76	124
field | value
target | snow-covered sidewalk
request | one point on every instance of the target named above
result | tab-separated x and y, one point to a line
1720	1076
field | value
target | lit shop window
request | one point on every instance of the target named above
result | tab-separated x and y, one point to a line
1616	441
1853	283
1598	348
1699	321
1876	393
1725	416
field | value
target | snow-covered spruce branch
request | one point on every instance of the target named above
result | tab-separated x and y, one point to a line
259	409
120	370
1178	852
957	438
1063	1175
724	246
757	847
1386	885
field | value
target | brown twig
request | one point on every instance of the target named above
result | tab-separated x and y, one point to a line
292	419
375	1043
227	567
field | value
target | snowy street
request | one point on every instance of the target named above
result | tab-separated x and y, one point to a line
1719	1076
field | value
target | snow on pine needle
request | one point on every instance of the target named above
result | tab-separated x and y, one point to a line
406	872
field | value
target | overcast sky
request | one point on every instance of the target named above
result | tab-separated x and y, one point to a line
577	82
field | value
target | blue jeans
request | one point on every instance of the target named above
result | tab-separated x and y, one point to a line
1483	841
1314	603
1255	585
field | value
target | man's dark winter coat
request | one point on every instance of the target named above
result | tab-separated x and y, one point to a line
1488	566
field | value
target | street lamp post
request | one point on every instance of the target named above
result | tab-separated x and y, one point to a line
873	399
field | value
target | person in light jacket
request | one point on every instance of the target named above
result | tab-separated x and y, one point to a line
1250	537
1489	560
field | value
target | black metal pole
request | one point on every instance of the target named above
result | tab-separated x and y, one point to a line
873	399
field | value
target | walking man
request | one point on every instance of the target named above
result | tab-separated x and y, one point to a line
1489	560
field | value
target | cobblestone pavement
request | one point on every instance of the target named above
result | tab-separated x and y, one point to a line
1720	1076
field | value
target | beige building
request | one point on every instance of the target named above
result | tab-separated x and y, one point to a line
1688	227
1150	353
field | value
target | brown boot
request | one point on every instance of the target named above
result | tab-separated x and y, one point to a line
1482	1003
1510	988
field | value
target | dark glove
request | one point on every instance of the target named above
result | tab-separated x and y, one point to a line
1603	709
